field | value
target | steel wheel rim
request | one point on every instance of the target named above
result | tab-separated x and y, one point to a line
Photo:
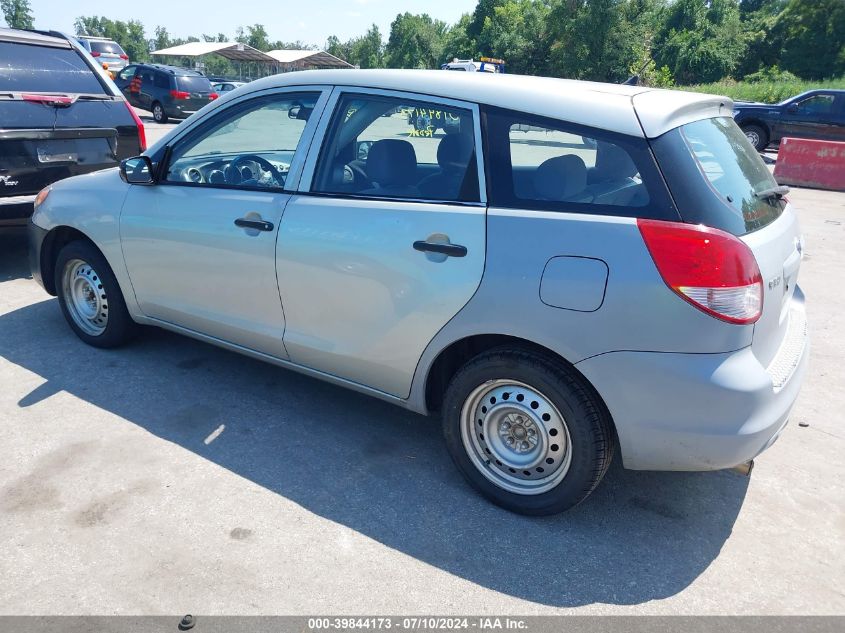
85	298
516	437
753	137
157	113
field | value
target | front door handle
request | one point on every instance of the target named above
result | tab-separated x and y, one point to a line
260	225
450	250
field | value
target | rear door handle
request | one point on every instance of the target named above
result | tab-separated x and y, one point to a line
260	225
450	250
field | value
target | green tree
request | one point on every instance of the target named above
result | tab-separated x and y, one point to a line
368	51
416	41
458	43
700	40
516	32
813	38
18	13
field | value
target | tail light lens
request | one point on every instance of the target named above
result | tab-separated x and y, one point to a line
95	54
713	270
142	135
125	56
180	94
213	96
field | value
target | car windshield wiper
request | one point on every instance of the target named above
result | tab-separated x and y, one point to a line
772	192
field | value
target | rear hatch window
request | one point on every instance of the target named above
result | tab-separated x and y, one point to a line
26	68
717	178
193	83
107	48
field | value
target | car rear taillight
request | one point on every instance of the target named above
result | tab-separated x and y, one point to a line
213	96
180	94
142	135
713	270
125	56
95	54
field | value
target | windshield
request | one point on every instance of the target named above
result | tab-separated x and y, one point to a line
735	192
193	83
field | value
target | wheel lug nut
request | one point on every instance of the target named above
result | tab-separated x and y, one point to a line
524	445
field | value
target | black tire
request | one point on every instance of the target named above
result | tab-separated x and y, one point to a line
119	326
758	137
159	115
587	420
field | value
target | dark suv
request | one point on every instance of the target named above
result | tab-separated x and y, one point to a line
166	91
59	116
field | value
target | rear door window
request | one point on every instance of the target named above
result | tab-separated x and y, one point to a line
550	165
28	68
161	81
111	48
717	177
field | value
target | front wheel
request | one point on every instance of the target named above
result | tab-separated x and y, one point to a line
90	297
526	431
159	115
756	136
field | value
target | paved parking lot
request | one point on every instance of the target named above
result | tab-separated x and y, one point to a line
172	477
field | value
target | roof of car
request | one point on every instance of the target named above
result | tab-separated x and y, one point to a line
32	37
173	70
632	110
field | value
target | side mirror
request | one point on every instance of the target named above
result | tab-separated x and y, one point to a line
137	170
293	111
362	149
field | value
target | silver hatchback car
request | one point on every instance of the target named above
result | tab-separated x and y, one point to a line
560	269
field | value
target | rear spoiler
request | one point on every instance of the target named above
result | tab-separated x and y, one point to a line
662	110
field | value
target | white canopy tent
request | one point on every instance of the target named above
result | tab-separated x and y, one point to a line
234	51
289	59
282	60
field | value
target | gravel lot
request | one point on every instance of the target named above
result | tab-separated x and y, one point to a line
173	477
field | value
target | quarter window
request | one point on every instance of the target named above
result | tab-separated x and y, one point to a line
545	164
399	148
249	145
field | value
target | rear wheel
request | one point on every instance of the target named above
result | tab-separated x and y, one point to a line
159	115
757	136
526	431
90	297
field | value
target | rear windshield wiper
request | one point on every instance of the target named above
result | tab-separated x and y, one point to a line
94	97
772	192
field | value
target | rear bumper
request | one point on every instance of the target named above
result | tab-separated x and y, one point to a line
35	237
700	411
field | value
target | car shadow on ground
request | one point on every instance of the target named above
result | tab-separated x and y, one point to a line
385	472
14	262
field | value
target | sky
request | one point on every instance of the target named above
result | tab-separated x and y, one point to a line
311	21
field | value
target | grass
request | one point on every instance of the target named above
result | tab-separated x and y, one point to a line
765	91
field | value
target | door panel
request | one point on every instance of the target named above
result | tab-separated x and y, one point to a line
360	302
191	265
200	245
364	287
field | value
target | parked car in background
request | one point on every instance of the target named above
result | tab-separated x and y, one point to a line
166	91
553	300
816	114
59	117
105	51
227	86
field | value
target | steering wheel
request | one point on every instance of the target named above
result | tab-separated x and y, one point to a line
234	168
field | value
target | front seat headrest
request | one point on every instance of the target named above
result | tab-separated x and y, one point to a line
392	162
453	151
560	178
